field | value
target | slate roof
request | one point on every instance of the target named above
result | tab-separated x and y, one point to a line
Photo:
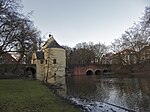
54	44
40	55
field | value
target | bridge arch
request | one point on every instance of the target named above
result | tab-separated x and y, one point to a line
91	69
98	72
89	72
105	71
30	71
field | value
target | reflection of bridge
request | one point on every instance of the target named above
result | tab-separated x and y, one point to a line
91	69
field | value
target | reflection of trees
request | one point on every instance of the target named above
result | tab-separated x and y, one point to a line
102	92
80	86
139	96
132	93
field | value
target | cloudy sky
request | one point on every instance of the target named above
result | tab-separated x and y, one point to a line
76	21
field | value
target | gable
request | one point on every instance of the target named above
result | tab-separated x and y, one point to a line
51	43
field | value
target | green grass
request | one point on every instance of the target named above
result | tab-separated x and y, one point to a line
30	96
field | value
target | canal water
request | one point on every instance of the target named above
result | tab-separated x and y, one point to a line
100	94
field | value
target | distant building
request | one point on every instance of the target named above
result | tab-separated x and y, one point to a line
145	54
7	58
50	61
106	59
125	57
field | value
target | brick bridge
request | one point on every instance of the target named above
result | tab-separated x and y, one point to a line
92	69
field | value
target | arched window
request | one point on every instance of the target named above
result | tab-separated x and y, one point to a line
105	72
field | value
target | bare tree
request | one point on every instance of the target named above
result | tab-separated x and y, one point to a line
82	56
117	46
145	21
135	38
82	45
8	24
87	53
69	52
18	33
99	50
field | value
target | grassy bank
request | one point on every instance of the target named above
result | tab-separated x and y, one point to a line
30	96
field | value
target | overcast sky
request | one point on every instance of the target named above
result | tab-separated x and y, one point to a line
76	21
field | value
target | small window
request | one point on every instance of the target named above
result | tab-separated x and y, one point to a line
54	76
54	61
41	61
46	61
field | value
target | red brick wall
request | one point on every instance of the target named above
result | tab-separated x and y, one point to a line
82	69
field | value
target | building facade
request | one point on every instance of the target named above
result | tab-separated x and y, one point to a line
7	58
50	62
125	57
145	54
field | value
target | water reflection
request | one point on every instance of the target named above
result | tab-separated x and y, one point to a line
132	93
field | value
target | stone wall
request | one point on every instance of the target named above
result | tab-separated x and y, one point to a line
7	71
